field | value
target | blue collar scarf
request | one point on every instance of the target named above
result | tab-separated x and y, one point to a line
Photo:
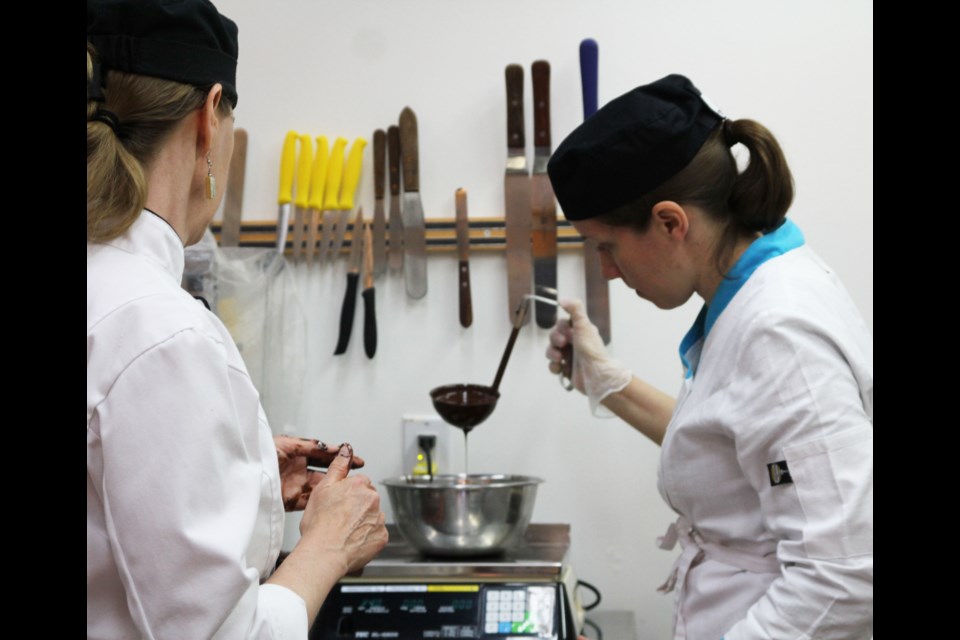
784	238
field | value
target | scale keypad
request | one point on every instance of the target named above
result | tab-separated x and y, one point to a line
517	610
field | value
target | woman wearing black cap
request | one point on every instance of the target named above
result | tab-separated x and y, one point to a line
767	452
185	499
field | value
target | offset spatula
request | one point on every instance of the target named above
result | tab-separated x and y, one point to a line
598	291
543	201
516	188
233	199
414	229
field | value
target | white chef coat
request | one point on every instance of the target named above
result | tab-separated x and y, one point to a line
779	369
184	510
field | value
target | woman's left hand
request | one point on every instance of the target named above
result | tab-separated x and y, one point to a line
293	456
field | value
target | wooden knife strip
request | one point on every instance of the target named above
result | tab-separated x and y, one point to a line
485	234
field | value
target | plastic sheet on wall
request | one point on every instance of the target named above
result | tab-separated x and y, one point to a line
254	293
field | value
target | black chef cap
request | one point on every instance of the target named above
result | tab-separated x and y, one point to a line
186	41
632	145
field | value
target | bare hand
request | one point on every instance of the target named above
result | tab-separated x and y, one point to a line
343	515
293	456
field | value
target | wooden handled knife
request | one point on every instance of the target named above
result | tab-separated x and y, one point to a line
317	182
598	290
396	221
350	296
379	216
544	204
516	189
288	158
369	311
414	229
304	166
463	247
233	199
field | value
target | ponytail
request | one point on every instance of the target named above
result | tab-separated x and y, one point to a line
127	120
755	200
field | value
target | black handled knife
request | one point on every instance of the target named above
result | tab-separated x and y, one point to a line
369	311
353	276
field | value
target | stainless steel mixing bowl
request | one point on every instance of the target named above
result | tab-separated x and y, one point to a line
462	515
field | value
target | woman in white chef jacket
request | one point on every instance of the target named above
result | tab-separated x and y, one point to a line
185	499
767	452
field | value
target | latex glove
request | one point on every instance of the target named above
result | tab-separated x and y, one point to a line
343	515
293	456
595	373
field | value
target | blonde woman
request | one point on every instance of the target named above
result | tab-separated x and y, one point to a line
185	500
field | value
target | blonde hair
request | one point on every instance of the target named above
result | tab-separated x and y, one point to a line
147	109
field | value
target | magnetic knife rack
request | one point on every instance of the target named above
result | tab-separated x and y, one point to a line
486	234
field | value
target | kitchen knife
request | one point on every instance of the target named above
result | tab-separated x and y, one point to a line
351	177
463	247
350	296
331	196
516	189
414	230
379	216
598	290
396	221
288	158
304	165
369	313
544	218
317	182
233	199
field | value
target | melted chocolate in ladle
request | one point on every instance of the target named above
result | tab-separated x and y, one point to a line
467	405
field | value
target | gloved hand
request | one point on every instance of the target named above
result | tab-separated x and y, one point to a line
595	373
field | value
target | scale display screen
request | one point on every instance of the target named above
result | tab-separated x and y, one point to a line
420	611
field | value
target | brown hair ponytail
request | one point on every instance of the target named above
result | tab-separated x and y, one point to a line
755	200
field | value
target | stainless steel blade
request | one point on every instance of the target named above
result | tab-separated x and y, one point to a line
415	245
379	238
283	224
518	228
396	234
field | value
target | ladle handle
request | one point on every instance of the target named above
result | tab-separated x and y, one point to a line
506	356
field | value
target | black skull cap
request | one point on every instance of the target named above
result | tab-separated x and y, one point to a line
632	145
186	41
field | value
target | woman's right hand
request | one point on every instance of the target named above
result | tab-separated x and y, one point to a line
343	515
594	372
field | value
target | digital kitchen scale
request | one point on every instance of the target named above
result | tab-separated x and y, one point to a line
528	592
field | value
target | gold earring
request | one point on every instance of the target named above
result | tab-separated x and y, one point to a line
211	181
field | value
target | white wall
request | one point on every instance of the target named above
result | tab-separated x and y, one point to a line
334	67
